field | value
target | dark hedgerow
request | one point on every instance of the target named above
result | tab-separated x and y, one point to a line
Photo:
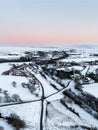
15	121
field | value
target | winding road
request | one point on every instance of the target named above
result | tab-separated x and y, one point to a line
46	95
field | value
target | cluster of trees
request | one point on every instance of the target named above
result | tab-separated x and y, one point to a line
85	101
90	100
6	98
14	120
32	85
69	108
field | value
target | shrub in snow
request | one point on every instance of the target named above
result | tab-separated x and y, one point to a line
14	84
2	100
36	94
15	121
1	128
30	80
15	98
32	89
5	92
23	85
0	115
0	90
78	86
7	98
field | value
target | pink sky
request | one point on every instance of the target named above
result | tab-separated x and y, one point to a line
68	37
50	21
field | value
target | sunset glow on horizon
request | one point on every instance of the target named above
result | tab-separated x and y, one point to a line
48	21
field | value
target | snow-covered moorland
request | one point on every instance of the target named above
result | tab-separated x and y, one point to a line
48	89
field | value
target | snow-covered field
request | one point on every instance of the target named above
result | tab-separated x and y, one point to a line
53	88
92	89
29	112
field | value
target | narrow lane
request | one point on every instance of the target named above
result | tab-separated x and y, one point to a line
43	98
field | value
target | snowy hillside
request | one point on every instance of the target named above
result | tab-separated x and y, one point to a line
48	89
